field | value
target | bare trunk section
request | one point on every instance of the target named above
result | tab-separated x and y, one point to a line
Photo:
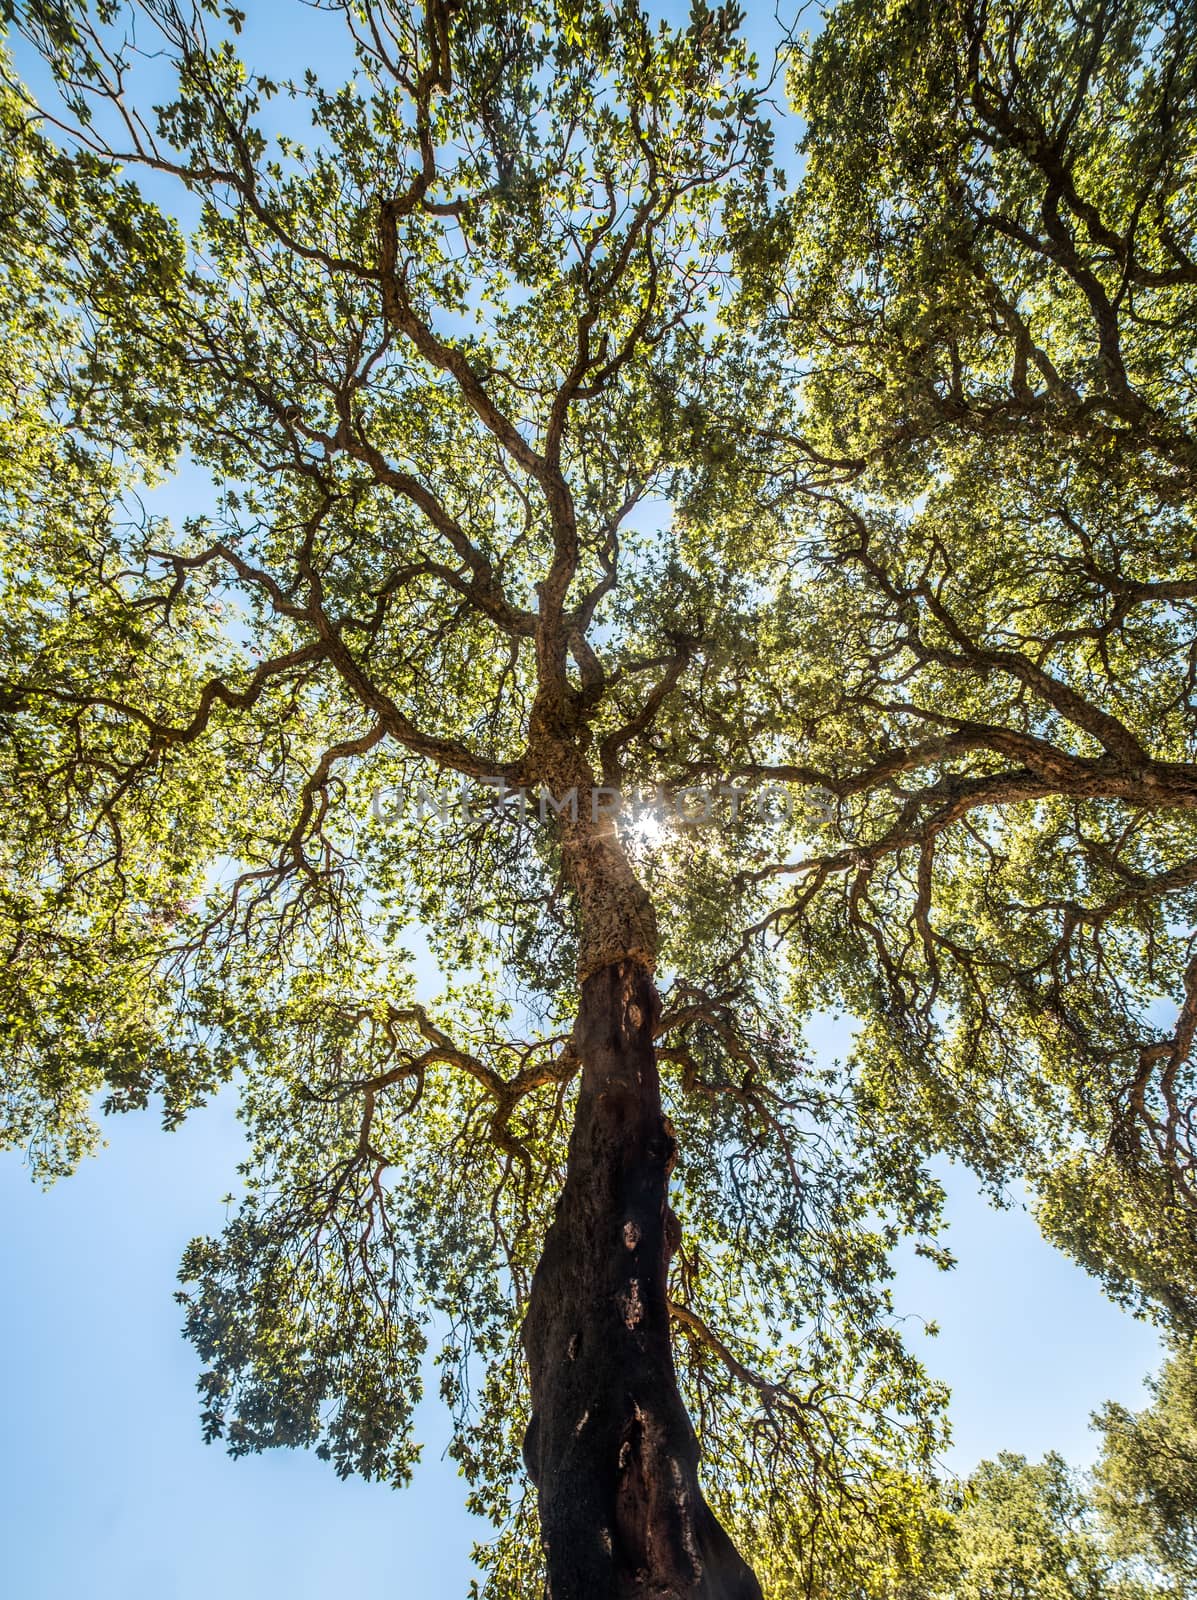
610	1447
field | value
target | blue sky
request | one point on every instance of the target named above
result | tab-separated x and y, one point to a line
106	1488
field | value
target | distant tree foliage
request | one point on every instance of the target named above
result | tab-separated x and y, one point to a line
1015	1530
1147	1474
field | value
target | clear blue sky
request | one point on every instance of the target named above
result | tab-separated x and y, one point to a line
106	1488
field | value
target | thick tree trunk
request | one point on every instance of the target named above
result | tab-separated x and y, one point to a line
610	1447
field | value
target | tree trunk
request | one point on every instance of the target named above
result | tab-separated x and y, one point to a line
610	1447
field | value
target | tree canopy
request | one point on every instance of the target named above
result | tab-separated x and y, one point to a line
552	453
985	290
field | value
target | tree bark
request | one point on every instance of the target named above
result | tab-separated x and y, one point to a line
610	1447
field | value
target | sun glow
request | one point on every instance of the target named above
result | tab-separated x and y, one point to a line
649	831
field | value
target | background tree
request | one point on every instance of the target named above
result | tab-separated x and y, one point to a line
1013	1530
433	359
1147	1472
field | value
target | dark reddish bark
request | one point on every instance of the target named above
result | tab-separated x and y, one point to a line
610	1447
